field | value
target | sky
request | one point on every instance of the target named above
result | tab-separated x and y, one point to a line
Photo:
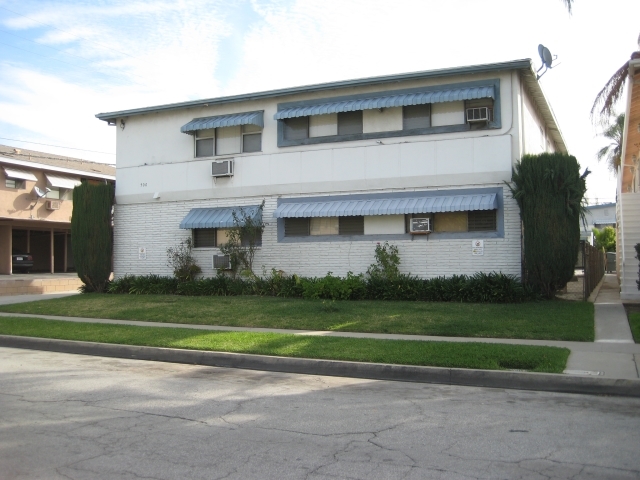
62	62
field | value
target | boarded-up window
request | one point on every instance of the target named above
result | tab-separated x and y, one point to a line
296	227
450	222
324	226
204	237
482	221
416	116
351	225
296	128
349	123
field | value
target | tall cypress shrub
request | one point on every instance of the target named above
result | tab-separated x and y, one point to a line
550	191
91	233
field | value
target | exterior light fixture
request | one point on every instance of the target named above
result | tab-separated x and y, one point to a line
122	124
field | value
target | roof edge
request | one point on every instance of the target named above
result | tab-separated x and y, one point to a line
469	69
42	166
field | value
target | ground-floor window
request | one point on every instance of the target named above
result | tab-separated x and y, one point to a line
452	222
214	237
304	227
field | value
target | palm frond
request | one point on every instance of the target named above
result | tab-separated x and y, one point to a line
610	94
568	4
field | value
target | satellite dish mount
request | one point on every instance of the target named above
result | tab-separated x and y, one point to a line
547	60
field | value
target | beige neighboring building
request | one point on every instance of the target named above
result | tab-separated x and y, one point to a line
36	201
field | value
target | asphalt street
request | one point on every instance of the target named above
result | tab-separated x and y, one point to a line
66	416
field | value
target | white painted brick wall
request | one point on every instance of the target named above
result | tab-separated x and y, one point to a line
156	227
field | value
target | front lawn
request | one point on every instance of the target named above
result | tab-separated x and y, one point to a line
403	352
550	320
634	323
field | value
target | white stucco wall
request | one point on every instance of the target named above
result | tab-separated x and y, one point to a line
156	227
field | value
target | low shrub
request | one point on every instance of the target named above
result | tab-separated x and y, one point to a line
479	288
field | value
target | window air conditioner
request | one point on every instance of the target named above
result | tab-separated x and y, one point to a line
222	168
420	225
221	262
478	114
53	204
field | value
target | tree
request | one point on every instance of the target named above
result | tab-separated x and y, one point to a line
550	193
613	152
244	238
605	238
92	234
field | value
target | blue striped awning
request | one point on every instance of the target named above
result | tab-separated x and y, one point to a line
204	123
388	206
388	101
218	217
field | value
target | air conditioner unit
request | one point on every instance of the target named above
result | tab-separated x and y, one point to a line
53	204
420	226
222	168
221	262
478	114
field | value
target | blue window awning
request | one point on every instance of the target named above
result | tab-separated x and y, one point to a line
388	206
232	120
388	101
218	217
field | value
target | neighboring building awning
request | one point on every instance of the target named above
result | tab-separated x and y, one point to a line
388	206
20	174
204	123
218	217
388	101
62	182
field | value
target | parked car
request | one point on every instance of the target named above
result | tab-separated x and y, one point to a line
21	262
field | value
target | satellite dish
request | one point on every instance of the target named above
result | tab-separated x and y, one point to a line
40	193
547	60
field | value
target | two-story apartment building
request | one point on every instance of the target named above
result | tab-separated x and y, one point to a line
340	166
36	202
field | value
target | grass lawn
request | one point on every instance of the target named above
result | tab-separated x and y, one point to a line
551	320
404	352
634	323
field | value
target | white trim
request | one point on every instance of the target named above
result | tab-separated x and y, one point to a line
41	166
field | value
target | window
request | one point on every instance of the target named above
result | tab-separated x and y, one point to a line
205	142
66	194
54	193
13	183
214	237
450	222
349	122
296	128
305	227
482	221
416	116
480	102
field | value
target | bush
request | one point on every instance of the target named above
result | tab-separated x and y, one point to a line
637	247
92	234
181	259
605	238
387	262
479	288
550	191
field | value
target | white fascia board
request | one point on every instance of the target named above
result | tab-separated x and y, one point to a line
40	166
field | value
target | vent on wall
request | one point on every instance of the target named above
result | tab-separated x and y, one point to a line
222	168
221	262
420	225
479	114
53	204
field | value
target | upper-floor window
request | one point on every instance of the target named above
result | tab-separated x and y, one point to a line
13	183
228	140
350	123
416	116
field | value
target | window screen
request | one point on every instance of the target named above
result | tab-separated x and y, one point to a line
54	193
204	147
296	128
349	122
257	241
296	227
416	116
482	221
252	143
204	237
351	225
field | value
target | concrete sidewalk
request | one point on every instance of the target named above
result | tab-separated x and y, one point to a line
613	355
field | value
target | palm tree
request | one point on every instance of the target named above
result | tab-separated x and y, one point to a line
612	152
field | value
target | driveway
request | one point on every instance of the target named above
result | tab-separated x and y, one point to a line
77	417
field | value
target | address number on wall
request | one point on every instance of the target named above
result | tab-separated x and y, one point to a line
143	184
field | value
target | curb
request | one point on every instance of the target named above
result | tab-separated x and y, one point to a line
547	382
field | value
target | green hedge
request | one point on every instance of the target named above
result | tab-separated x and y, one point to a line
479	288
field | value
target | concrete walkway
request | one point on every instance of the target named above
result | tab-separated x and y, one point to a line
613	355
